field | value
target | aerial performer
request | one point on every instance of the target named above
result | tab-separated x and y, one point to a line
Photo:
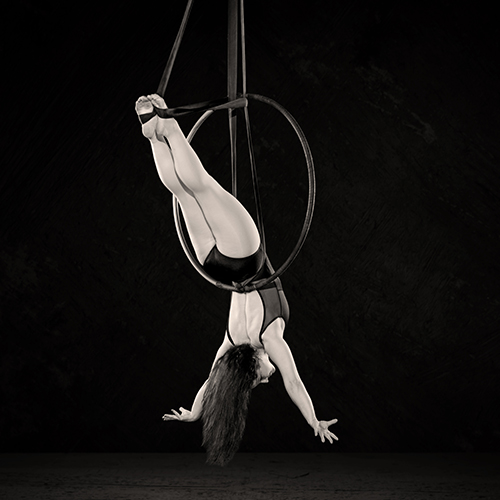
228	246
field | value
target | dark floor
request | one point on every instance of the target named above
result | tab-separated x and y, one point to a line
341	476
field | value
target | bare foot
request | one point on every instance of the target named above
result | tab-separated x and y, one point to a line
147	116
158	102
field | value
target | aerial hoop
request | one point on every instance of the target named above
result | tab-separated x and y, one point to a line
236	30
307	219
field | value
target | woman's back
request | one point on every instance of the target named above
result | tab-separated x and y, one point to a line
251	314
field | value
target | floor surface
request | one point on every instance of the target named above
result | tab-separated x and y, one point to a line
339	476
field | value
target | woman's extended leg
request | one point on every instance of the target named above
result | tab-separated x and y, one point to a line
229	223
200	234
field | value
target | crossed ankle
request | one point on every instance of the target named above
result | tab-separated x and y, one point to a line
162	112
145	117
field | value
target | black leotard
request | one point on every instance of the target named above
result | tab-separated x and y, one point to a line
275	306
228	269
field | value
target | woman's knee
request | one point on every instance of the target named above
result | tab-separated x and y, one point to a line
196	180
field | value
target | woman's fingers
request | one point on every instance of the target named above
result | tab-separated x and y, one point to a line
175	416
330	437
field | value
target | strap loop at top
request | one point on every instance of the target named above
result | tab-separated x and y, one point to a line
224	103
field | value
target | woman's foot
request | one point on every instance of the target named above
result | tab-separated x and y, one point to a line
147	116
159	105
157	101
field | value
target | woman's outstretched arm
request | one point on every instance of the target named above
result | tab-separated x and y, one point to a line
196	410
281	355
186	415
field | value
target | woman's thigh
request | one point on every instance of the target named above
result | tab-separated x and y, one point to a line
233	228
200	234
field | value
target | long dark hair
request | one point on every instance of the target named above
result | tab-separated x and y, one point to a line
225	403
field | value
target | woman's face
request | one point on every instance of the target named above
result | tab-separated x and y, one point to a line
265	369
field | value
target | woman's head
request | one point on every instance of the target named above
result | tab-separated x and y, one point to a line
264	369
226	399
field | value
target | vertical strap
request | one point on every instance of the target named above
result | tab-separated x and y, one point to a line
243	49
255	181
173	53
232	83
253	166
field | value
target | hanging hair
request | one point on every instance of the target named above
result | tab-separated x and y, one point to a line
225	403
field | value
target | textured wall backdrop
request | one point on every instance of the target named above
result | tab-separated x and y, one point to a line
394	298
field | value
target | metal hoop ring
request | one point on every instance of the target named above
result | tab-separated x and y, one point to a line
309	212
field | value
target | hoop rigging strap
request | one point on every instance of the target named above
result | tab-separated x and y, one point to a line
232	85
173	53
214	105
231	103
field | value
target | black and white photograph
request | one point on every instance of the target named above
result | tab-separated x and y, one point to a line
250	250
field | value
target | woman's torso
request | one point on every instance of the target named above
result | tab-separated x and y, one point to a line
251	314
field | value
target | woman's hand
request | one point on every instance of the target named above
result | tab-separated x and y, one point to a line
183	416
321	428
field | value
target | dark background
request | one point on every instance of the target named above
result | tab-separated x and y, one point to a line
394	298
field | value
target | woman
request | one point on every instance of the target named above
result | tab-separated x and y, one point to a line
227	244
